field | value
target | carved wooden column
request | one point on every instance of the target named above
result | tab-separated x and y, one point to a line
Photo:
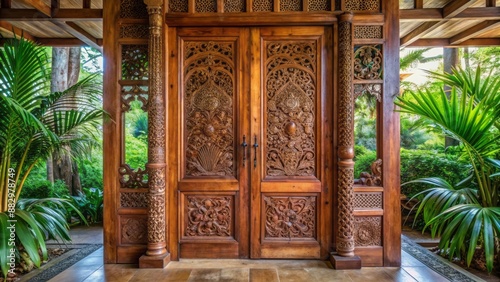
344	258
156	255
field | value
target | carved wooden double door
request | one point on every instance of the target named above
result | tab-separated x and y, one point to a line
250	142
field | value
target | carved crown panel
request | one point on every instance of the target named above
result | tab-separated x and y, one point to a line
319	5
232	6
180	6
132	93
262	5
208	216
133	9
368	62
291	86
206	6
290	217
135	62
209	83
362	5
290	5
368	231
368	31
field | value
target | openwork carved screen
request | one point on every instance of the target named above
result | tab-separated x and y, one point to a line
209	94
135	62
368	62
262	5
290	90
362	5
290	217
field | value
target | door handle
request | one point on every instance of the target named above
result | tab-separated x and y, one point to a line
244	145
255	146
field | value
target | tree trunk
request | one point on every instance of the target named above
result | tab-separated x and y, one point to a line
65	72
450	61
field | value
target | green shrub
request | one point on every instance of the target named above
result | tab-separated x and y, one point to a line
41	189
91	172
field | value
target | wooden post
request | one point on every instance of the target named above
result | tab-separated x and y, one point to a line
344	258
156	255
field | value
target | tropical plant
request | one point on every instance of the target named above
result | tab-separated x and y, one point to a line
466	215
33	124
89	203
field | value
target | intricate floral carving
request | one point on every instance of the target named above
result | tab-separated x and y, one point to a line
156	217
209	109
368	31
133	230
373	179
131	178
368	62
206	6
290	217
134	31
346	217
374	89
290	108
319	5
290	5
362	5
232	6
178	6
133	200
208	216
368	231
132	93
262	5
133	9
368	200
135	62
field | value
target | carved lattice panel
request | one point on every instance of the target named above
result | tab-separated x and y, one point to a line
206	6
291	86
178	6
362	5
368	62
290	5
319	5
135	62
262	5
133	9
233	6
209	93
132	93
373	89
208	216
368	200
134	31
289	217
368	231
368	32
133	200
133	178
133	229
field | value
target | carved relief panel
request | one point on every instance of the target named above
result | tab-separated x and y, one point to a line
208	216
209	94
290	108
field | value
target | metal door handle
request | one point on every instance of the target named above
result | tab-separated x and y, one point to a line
255	146
244	145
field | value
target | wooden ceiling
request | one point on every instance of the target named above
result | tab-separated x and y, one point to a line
451	23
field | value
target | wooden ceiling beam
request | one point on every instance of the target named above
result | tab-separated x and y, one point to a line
418	32
62	14
474	31
40	6
86	4
5	4
434	14
15	30
491	3
445	42
418	4
455	7
61	42
55	5
80	33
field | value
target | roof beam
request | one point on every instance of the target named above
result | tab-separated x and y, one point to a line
455	7
5	4
418	32
80	33
434	14
61	42
474	31
418	4
491	3
62	14
15	30
40	6
445	42
86	4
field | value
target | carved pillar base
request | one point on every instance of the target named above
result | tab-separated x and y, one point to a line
146	261
341	262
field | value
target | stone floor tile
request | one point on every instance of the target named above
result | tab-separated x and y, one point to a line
235	275
293	275
424	274
264	275
327	274
368	274
408	260
399	274
206	274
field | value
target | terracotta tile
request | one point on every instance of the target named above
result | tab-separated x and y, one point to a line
263	275
368	274
293	275
399	274
235	275
205	275
424	274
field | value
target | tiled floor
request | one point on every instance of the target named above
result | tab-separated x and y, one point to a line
92	269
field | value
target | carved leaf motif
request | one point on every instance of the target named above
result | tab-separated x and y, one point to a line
209	126
291	96
290	217
368	62
208	216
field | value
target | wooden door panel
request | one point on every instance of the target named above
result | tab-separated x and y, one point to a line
287	185
211	180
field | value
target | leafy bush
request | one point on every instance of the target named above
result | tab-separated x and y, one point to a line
91	175
89	203
41	188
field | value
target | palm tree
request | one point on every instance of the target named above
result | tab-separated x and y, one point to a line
33	124
466	214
